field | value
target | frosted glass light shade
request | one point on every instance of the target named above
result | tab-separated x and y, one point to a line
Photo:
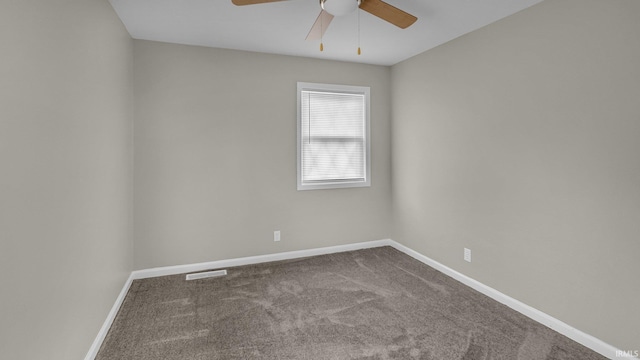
339	7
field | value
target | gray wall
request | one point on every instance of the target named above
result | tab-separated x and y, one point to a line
215	155
66	178
521	141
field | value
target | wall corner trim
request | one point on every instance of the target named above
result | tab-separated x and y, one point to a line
104	330
574	334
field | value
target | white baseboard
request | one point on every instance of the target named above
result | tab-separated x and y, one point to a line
572	333
576	335
182	269
102	334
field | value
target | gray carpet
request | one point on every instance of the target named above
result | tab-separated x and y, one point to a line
367	304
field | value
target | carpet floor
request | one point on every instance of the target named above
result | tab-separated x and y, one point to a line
368	304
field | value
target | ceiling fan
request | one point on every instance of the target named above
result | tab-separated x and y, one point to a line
331	8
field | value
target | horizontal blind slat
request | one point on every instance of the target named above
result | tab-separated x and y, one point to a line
333	129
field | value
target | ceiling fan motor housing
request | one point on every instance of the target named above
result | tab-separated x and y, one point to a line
339	7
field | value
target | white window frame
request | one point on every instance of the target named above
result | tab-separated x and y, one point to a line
346	89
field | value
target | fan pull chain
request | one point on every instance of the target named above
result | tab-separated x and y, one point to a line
321	32
359	52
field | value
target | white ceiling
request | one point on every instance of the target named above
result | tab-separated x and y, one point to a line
281	27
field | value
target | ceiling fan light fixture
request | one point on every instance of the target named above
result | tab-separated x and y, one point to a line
339	7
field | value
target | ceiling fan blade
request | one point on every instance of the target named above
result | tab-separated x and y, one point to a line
252	2
320	26
388	13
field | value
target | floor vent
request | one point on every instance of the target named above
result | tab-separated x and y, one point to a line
207	274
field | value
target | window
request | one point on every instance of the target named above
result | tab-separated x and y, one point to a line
333	136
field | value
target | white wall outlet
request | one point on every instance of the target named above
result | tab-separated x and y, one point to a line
276	235
467	255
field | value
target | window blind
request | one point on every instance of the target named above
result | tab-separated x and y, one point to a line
333	137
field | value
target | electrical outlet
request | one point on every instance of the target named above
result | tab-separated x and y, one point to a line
276	235
467	255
